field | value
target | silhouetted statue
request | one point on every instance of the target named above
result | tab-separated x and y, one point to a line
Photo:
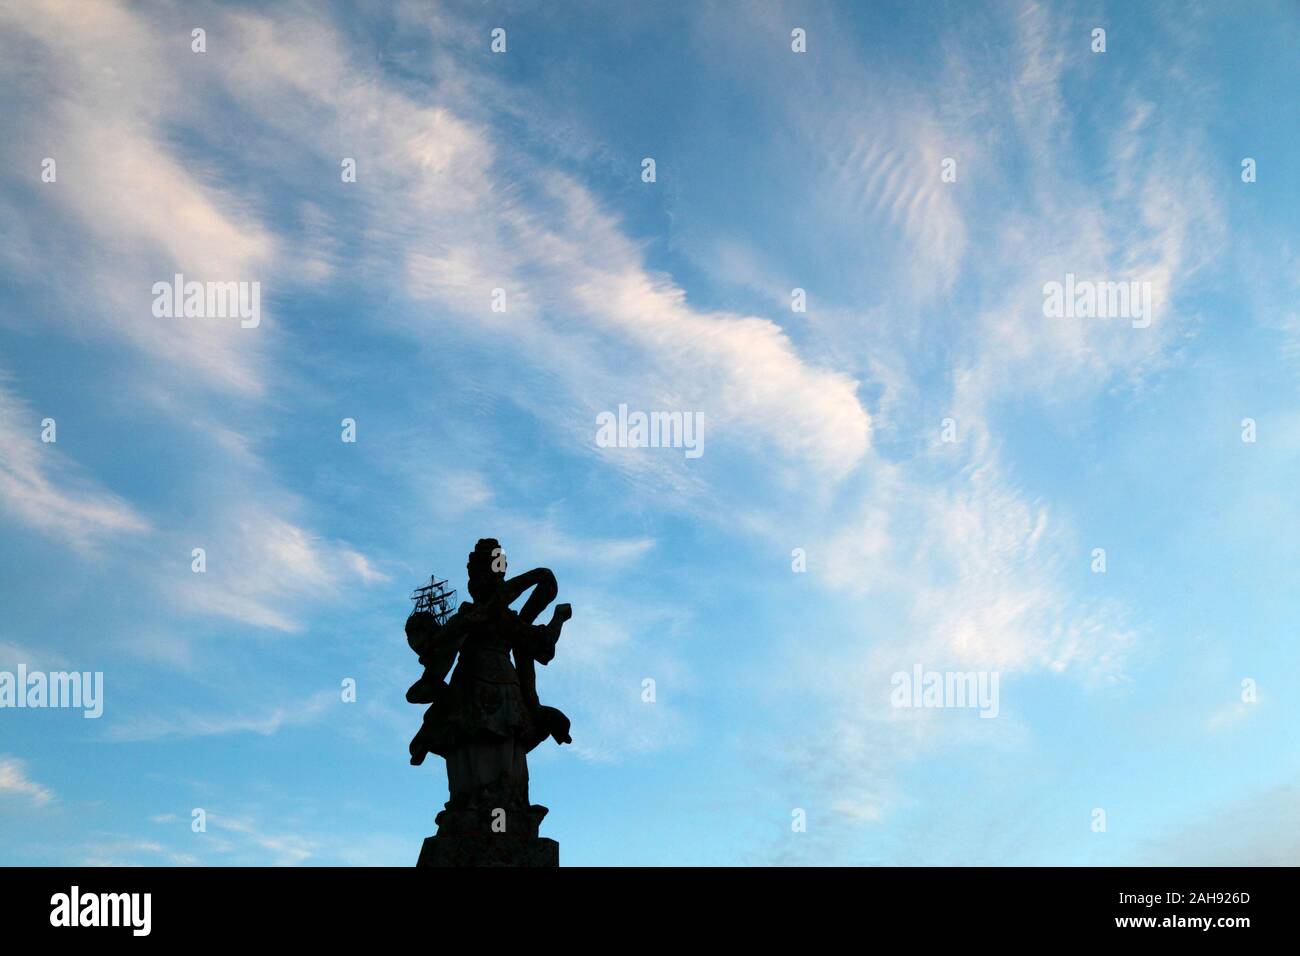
487	717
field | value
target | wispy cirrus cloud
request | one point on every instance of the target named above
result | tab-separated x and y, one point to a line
978	568
41	488
14	780
261	569
448	201
189	723
128	207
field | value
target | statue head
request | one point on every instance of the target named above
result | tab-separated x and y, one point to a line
487	569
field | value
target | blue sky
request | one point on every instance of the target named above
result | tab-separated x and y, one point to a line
823	430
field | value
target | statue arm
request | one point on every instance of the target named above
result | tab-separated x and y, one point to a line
437	646
542	580
543	637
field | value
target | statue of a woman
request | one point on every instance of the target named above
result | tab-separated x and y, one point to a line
487	717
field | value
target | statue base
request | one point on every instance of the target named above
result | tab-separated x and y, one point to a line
467	838
489	849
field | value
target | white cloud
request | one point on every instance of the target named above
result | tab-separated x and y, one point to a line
14	780
1231	715
605	659
123	190
188	723
285	849
447	203
973	569
40	488
262	569
11	655
360	565
548	540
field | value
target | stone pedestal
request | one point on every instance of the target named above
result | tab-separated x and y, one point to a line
497	849
490	838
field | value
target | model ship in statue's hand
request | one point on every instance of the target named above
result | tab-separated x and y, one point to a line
486	719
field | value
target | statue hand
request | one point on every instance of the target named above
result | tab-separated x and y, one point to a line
563	612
